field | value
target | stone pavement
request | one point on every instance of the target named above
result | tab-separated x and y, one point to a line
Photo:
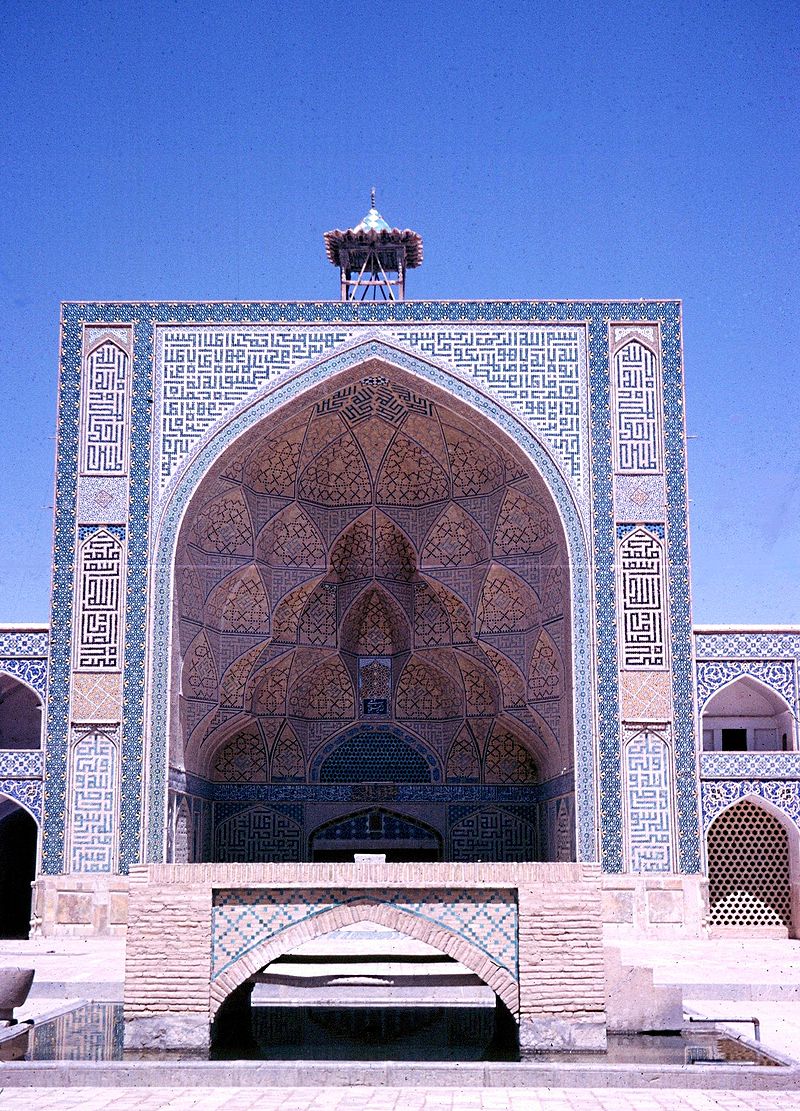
391	1099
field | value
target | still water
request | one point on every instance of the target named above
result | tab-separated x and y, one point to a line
95	1032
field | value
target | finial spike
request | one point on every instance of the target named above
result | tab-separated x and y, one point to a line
372	197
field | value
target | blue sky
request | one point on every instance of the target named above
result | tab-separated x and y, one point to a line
572	149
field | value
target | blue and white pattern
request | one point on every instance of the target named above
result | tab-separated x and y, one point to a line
719	794
94	811
647	767
205	375
713	675
750	765
20	764
25	642
243	920
26	792
341	317
30	671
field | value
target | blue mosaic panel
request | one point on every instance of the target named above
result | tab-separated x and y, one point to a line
748	645
203	374
719	794
712	675
242	920
647	764
373	824
258	833
16	764
94	776
343	314
376	756
24	642
30	671
750	765
27	792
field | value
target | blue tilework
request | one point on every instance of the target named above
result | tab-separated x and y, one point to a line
20	763
243	919
24	642
375	755
779	675
27	792
719	794
597	315
750	765
30	671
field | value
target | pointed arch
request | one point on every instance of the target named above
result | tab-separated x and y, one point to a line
199	677
523	526
178	494
375	625
361	909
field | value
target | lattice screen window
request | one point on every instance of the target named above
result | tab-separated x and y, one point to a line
748	868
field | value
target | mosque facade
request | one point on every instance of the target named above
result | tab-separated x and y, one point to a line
395	577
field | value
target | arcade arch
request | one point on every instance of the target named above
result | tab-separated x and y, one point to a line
753	854
748	716
20	714
372	598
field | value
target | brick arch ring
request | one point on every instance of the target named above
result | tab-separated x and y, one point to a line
498	979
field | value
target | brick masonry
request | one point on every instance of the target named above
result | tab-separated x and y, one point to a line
533	932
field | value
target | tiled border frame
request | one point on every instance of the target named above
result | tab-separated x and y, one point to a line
597	314
320	371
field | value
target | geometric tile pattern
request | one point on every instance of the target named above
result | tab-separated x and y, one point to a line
750	765
415	322
205	372
94	780
20	765
244	919
766	645
22	642
645	695
96	697
647	761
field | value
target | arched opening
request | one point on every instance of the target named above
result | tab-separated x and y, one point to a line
365	991
752	858
20	715
18	841
372	591
748	716
398	837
